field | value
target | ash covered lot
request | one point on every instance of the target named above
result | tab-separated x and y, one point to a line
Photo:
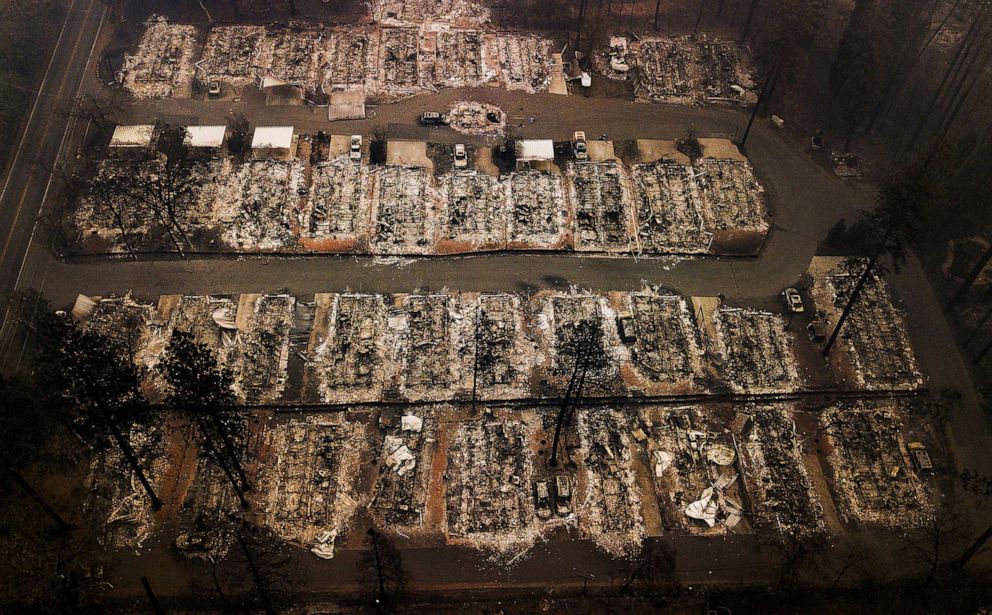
345	348
411	49
304	200
446	474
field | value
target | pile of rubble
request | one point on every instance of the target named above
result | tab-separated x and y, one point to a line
695	471
874	341
337	207
582	337
473	212
349	362
872	471
404	211
665	345
232	55
308	483
428	345
781	492
290	53
668	209
524	61
263	349
210	501
603	220
349	57
757	351
398	69
537	217
439	12
613	61
610	512
502	356
691	70
162	64
257	206
117	496
475	118
401	489
458	59
731	195
488	486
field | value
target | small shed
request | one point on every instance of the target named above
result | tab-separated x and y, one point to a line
534	151
205	137
136	136
272	142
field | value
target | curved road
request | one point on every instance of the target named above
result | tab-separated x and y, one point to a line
806	200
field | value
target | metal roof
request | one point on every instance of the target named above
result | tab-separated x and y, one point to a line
528	150
205	136
272	137
139	135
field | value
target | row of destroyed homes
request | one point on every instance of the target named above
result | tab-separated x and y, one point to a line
301	61
483	477
297	193
351	348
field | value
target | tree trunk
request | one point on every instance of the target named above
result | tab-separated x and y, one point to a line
380	578
475	363
699	16
853	299
132	460
231	451
965	43
562	410
156	607
962	97
972	276
757	105
657	10
213	452
749	20
256	576
978	327
974	548
34	495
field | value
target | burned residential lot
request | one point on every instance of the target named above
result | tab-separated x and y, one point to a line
392	60
290	203
411	50
478	476
357	348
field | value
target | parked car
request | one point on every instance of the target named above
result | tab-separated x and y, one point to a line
563	496
461	158
356	147
579	148
920	456
793	301
433	118
214	89
542	499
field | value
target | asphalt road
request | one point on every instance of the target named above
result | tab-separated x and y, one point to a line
48	129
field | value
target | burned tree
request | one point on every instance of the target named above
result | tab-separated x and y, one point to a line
892	229
26	425
585	352
382	569
161	188
95	378
201	390
256	571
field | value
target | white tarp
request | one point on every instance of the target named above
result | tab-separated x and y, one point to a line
411	423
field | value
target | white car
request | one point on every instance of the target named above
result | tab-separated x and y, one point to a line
793	301
356	147
461	158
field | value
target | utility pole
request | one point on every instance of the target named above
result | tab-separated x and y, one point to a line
568	403
974	548
761	98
